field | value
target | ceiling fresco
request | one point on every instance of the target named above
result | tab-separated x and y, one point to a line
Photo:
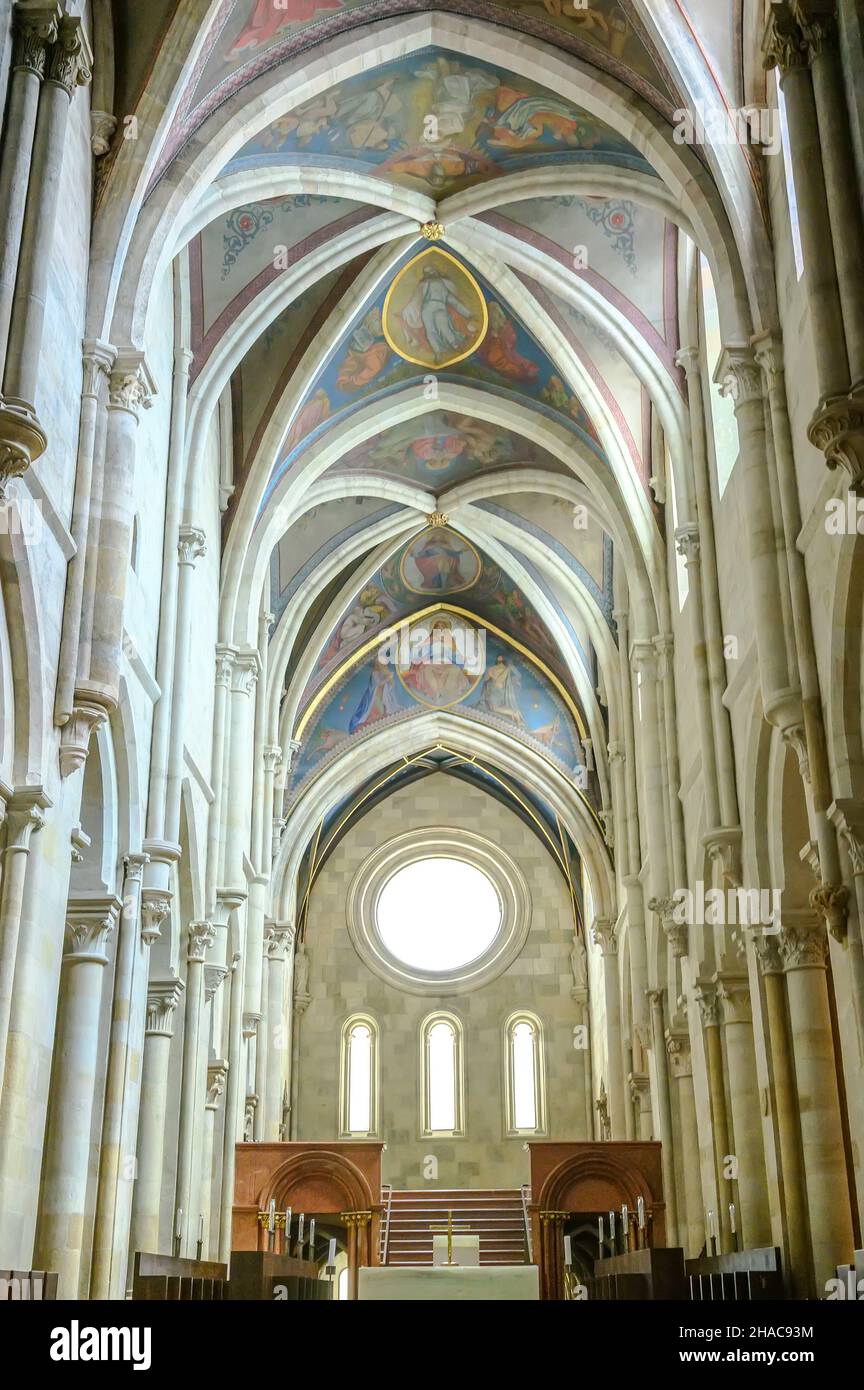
363	367
503	688
442	449
409	580
250	36
437	123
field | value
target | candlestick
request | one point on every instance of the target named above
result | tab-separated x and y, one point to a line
732	1217
178	1223
640	1212
331	1253
625	1227
600	1235
568	1251
288	1215
612	1241
312	1239
271	1220
300	1221
201	1229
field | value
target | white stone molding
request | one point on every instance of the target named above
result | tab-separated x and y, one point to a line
90	923
163	996
76	735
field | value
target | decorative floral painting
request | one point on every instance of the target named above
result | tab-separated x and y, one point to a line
434	314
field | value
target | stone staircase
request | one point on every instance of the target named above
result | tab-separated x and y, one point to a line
493	1214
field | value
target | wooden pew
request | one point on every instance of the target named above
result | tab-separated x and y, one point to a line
750	1276
262	1274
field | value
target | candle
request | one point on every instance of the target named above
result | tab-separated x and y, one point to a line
287	1225
331	1253
625	1226
201	1229
301	1218
568	1251
178	1223
612	1229
312	1238
710	1216
732	1226
640	1210
271	1217
600	1236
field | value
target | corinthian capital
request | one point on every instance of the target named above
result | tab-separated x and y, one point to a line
738	374
783	45
155	907
35	27
191	544
131	386
803	942
687	542
603	934
89	925
70	63
201	938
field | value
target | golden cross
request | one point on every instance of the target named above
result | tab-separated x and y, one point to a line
449	1229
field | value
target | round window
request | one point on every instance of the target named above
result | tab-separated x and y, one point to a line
438	911
438	914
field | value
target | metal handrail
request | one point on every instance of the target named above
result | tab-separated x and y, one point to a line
526	1198
387	1198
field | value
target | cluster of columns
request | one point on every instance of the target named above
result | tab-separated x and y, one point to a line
51	58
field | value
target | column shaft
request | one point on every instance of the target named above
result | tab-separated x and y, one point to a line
162	999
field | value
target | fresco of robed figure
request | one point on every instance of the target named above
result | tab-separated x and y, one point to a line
435	313
439	562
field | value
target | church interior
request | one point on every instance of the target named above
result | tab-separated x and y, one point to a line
432	650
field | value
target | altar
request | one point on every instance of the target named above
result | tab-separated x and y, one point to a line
447	1283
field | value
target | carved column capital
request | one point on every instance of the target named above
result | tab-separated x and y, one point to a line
76	735
851	831
676	932
723	844
155	907
131	386
70	62
645	660
163	996
783	45
603	935
279	941
738	374
35	27
213	977
709	1004
734	995
688	543
201	936
831	901
246	670
768	347
217	1073
766	946
794	736
689	359
89	925
679	1053
803	942
24	814
191	545
837	429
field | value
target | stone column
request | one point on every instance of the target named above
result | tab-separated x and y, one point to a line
121	1046
681	1065
69	63
34	29
60	1235
201	936
191	546
838	163
709	1009
688	544
603	932
754	1222
664	1114
233	1095
224	666
24	815
131	389
639	1084
279	947
216	1074
796	1222
804	949
163	996
739	376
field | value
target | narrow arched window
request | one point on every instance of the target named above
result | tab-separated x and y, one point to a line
526	1101
443	1083
359	1077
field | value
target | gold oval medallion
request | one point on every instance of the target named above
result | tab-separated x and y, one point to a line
435	312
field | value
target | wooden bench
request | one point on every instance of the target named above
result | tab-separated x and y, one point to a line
169	1278
33	1285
